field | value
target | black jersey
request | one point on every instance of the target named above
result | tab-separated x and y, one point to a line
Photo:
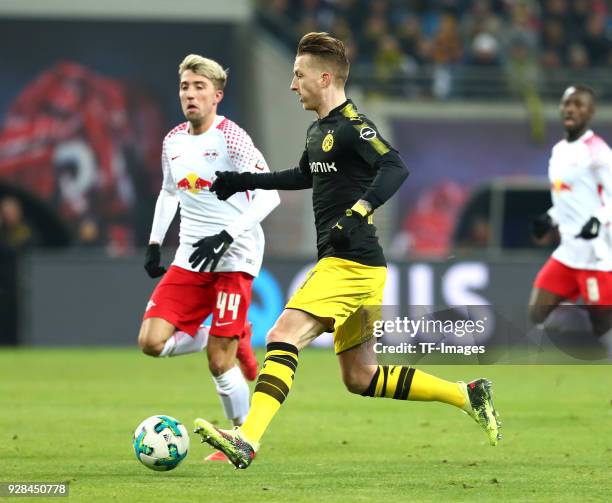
342	157
345	160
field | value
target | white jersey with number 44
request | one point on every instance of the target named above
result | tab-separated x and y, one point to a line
189	163
580	174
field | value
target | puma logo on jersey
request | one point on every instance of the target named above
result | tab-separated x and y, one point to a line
323	167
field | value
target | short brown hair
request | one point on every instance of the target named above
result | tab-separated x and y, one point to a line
328	49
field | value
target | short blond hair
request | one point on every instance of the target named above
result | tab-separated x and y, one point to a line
204	67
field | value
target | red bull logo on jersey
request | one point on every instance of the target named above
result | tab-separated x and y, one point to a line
193	183
211	155
558	186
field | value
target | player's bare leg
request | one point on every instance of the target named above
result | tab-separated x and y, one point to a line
221	352
158	337
358	366
292	331
541	304
154	332
363	376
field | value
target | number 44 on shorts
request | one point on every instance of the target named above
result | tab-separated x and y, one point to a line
227	302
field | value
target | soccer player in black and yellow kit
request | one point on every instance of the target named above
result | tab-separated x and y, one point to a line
352	170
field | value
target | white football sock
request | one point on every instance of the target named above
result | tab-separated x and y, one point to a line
233	391
181	343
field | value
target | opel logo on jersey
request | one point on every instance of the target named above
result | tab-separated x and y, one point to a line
211	155
192	183
328	142
322	167
367	133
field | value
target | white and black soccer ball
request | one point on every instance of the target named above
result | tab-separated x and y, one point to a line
161	442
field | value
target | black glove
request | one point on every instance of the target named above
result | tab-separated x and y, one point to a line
210	250
590	230
540	225
340	234
228	183
152	259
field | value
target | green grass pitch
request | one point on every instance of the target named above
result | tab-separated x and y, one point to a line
69	415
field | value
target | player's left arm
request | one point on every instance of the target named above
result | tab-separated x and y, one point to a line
244	157
384	159
602	163
262	202
165	210
390	174
602	171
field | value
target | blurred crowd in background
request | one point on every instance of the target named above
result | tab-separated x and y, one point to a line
15	232
80	138
448	46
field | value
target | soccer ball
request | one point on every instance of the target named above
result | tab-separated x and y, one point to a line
161	443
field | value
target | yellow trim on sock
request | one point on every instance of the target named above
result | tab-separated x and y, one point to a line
281	352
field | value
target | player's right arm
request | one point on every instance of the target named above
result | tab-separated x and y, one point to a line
228	183
165	209
540	225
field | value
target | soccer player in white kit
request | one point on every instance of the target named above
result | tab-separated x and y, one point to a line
221	242
580	173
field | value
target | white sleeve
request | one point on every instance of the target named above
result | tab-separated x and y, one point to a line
262	201
240	147
552	211
602	164
166	205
